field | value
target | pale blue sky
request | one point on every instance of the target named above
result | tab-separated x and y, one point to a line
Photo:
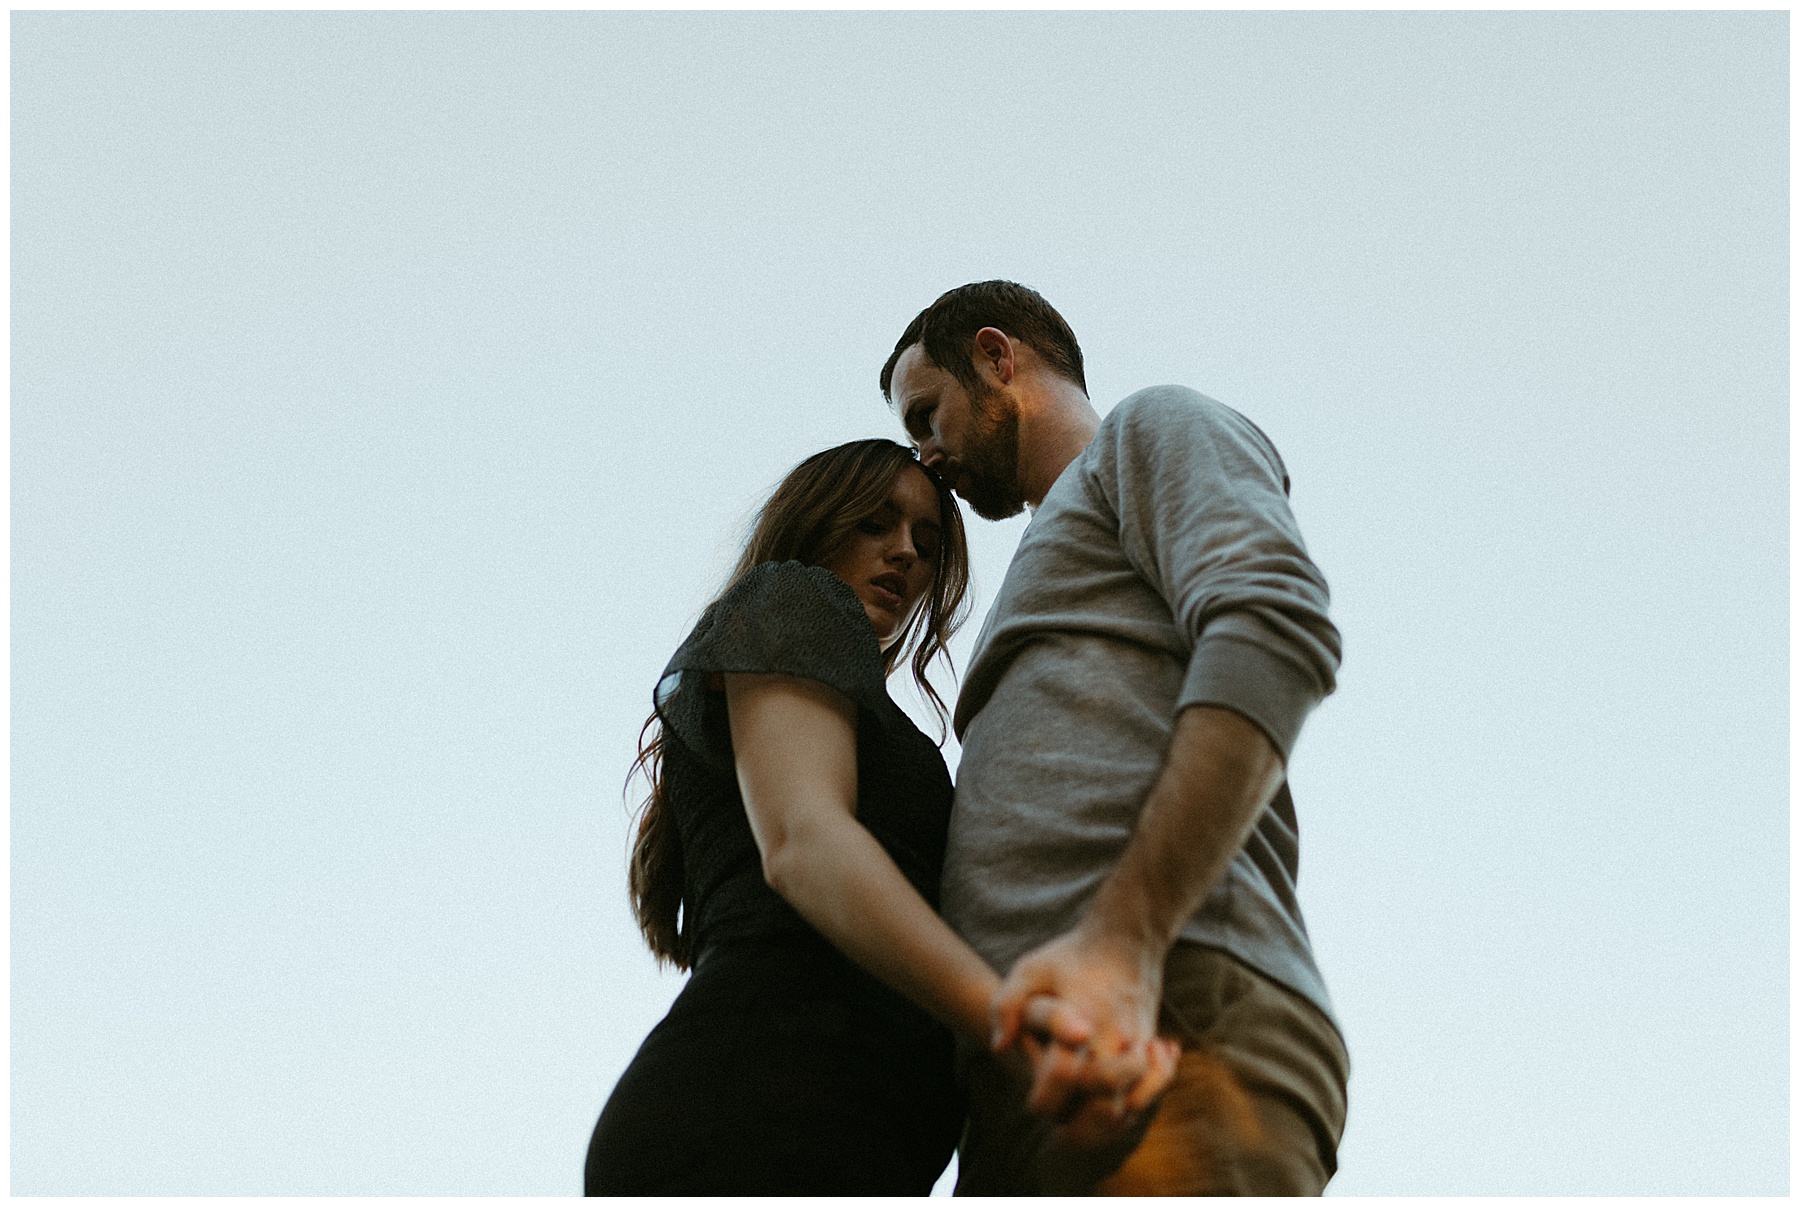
389	392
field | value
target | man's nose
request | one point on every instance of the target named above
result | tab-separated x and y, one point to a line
930	455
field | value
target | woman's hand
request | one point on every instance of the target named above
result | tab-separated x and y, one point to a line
1094	1086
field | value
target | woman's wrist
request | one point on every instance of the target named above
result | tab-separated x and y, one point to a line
974	1008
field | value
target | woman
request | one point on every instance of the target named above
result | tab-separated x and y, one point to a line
789	854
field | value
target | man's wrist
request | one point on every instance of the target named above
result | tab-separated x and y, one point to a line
1130	935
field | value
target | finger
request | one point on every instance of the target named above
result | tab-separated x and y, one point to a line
1084	1069
1048	1068
1057	1019
1038	1011
1163	1057
1054	1080
1007	1010
1027	1055
1116	1071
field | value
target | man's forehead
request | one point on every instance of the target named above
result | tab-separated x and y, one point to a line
914	373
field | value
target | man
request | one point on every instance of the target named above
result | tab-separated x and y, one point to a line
1123	838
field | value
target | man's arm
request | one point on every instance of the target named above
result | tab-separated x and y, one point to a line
1220	773
1200	499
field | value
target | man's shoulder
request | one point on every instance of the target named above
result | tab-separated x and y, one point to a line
1172	425
1168	405
1155	413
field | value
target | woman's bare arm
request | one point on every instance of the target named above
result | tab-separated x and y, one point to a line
795	740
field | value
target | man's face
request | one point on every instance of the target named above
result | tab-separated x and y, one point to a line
972	440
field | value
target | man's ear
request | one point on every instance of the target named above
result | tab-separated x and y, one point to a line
994	354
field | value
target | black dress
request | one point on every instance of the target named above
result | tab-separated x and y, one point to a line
783	1068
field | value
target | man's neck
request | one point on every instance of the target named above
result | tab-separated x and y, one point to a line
1054	426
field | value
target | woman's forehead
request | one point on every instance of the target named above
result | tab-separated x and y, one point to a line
914	494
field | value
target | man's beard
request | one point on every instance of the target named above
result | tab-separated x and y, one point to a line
991	456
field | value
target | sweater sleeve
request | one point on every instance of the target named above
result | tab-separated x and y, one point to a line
782	618
1201	500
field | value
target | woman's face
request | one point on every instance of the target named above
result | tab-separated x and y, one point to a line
890	558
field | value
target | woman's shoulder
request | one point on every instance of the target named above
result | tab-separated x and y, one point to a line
784	612
791	589
780	618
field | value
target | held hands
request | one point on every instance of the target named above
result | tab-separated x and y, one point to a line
1082	1009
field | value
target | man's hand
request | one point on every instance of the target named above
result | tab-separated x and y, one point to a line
1220	772
1094	1089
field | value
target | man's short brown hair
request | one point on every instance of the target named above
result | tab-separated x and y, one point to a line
946	330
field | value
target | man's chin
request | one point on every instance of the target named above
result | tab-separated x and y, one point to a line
989	502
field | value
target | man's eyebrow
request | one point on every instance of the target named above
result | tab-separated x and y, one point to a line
910	407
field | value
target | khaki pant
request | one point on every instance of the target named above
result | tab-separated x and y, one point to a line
1256	1108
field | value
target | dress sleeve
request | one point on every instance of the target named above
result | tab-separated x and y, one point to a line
782	618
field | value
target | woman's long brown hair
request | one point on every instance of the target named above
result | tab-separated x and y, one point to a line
810	515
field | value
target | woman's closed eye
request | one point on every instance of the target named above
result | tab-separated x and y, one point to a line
927	539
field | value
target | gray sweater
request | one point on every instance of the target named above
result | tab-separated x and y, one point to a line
1163	569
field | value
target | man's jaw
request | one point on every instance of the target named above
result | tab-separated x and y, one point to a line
986	500
994	443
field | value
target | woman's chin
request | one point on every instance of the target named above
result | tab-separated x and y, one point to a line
886	629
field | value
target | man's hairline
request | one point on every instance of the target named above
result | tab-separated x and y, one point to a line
899	404
893	371
919	343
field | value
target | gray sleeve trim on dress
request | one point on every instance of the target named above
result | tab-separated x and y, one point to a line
781	618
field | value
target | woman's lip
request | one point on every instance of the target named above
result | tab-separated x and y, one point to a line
886	597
